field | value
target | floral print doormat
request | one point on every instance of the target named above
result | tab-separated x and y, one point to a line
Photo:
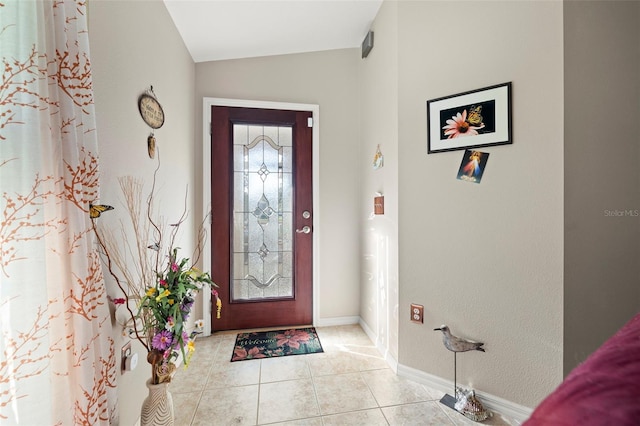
268	344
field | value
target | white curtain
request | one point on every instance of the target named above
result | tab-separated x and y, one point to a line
57	359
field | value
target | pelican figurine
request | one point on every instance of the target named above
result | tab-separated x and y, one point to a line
458	344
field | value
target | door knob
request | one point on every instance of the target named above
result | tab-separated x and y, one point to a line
305	230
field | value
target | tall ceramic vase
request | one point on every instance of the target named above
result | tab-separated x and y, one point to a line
157	408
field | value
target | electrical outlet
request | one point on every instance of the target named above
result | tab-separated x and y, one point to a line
417	313
124	353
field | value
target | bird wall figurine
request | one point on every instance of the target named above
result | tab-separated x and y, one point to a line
458	344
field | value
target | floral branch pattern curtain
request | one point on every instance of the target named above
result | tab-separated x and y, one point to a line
57	358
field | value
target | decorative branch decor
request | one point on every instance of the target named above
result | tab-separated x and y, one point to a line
81	180
18	361
15	89
72	74
86	299
163	286
21	220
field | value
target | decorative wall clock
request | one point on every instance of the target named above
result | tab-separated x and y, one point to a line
153	115
151	110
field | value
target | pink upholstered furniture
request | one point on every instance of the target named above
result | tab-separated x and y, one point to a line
603	390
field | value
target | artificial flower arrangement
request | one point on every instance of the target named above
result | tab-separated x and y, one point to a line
167	306
164	288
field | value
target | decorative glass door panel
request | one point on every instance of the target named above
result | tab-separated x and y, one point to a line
262	250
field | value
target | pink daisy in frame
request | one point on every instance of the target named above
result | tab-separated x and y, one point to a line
457	126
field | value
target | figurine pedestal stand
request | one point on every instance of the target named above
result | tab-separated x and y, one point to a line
448	400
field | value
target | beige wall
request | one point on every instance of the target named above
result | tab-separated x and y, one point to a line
602	180
327	79
378	76
485	259
135	45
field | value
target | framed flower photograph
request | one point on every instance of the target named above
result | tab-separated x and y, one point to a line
473	119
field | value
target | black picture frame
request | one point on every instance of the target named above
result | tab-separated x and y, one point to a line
469	120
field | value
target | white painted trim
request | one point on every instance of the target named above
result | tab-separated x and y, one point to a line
509	409
367	330
373	336
393	363
331	322
384	351
207	103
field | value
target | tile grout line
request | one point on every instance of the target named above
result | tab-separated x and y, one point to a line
204	386
374	397
453	422
315	391
259	391
193	416
326	419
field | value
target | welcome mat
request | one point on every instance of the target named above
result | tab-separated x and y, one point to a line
268	344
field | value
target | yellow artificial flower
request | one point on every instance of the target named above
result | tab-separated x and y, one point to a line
191	346
219	307
161	295
151	291
194	272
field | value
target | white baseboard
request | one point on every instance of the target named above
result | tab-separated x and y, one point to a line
373	336
509	409
330	322
391	361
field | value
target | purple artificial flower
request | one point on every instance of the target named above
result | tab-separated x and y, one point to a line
162	340
186	305
185	339
174	267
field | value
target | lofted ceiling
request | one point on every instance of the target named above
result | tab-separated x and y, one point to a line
229	29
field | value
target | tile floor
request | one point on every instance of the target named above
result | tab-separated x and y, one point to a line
348	384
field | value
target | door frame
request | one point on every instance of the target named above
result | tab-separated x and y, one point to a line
207	103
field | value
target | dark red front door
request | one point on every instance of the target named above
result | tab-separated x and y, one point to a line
262	215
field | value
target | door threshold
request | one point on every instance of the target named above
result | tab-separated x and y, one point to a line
253	330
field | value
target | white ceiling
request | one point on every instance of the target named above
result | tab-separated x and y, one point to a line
228	29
